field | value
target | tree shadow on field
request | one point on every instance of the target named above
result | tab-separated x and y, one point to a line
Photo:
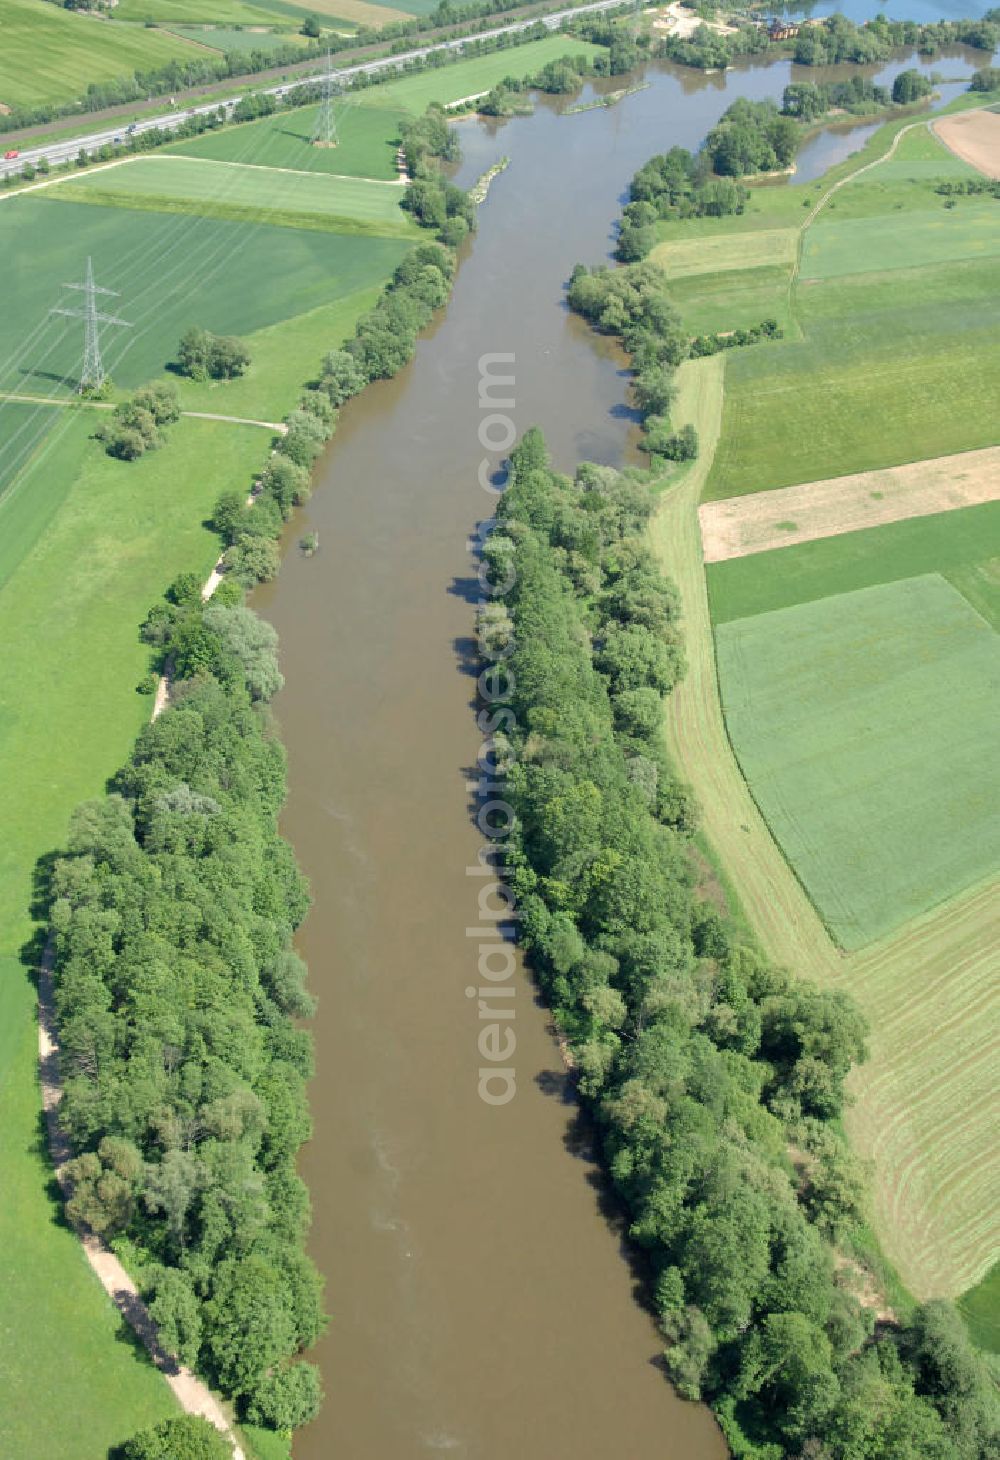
297	136
60	378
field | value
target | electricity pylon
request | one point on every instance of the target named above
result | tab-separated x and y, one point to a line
324	133
92	375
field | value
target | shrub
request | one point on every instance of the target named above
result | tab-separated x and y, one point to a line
203	355
186	1438
253	560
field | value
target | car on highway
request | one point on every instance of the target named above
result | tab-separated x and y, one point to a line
9	156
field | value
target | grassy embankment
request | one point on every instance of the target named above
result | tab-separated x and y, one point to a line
878	368
88	544
209	189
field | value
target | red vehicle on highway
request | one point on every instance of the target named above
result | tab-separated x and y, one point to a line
9	156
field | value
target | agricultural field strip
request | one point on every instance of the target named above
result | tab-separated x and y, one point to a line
932	235
937	1241
865	726
975	138
963	545
381	182
196	180
737	527
48	52
711	255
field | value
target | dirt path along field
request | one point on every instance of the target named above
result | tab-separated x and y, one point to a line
193	1396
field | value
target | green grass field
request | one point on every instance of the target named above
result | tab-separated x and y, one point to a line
369	139
22	428
468	78
50	54
735	299
963	546
68	714
221	39
275	14
266	195
864	730
980	1307
909	240
889	352
763	248
171	273
198	12
283	357
892	368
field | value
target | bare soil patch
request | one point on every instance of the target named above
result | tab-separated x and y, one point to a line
676	19
758	522
975	138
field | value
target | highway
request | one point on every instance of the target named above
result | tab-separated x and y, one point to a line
67	149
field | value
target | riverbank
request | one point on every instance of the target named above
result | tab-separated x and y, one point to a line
350	828
937	1248
142	522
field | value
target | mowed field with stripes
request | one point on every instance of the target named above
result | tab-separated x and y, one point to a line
842	599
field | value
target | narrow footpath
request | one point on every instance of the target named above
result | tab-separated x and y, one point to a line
191	1393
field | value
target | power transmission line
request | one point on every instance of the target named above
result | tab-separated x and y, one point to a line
92	375
324	133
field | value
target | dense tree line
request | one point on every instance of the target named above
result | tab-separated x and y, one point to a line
439	205
968	187
753	334
808	102
837	39
910	86
705	1069
986	79
675	184
832	41
177	994
632	302
623	50
427	137
560	77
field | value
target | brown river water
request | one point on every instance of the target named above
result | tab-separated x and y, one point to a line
483	1303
